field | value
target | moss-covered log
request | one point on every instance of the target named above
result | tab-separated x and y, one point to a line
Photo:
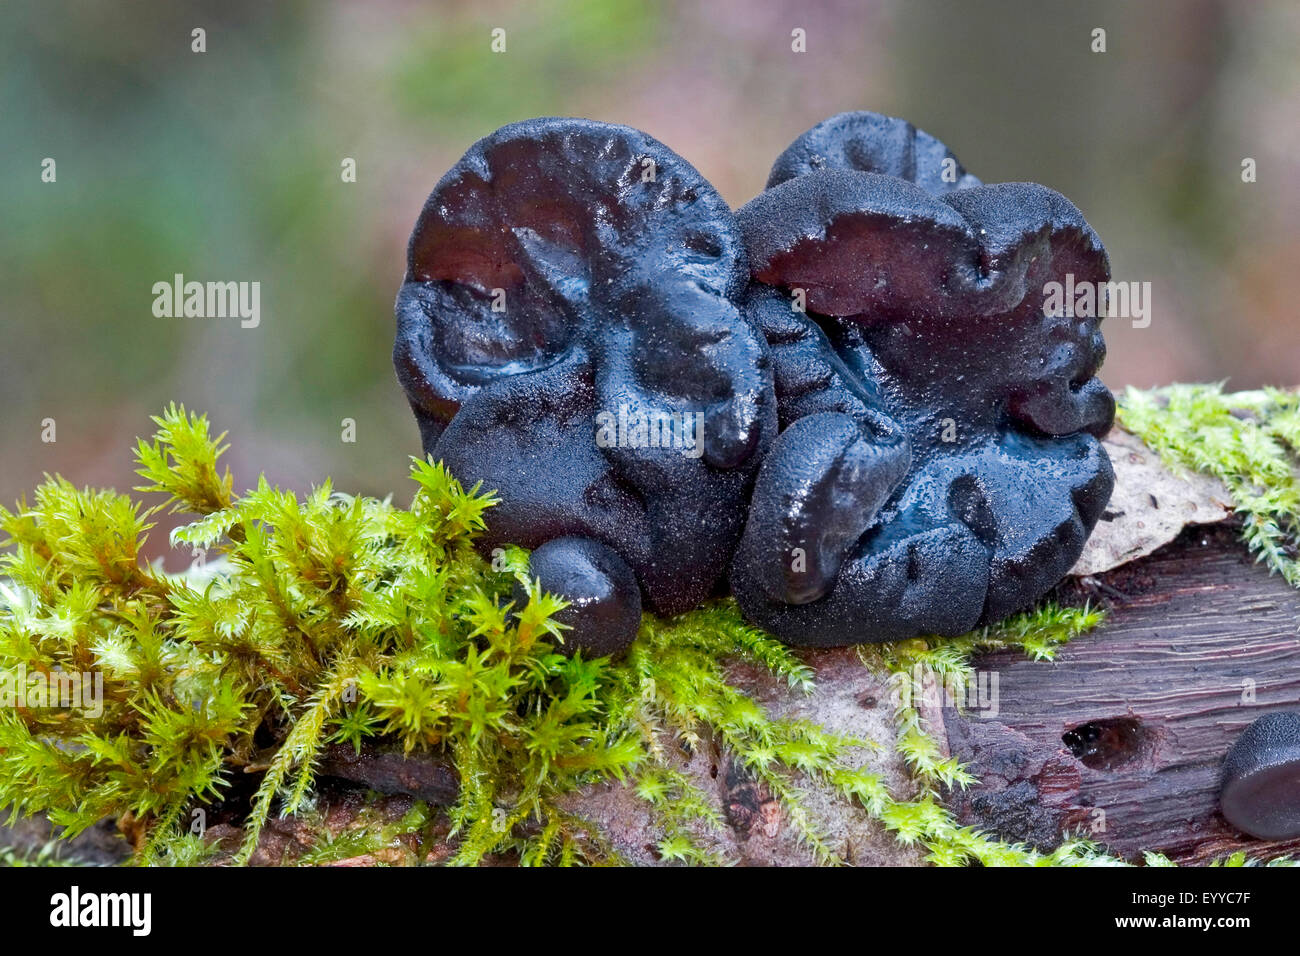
390	712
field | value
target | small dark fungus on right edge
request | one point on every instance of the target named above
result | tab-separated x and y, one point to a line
1260	790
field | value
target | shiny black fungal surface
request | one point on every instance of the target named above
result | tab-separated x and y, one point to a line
938	465
913	449
604	610
1260	790
565	275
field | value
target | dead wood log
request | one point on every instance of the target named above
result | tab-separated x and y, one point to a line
1124	735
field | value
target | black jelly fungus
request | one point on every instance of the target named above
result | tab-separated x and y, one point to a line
918	307
567	275
604	610
893	434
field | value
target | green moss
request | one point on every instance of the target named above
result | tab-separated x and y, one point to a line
331	618
1248	440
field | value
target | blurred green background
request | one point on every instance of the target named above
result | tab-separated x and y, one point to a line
225	165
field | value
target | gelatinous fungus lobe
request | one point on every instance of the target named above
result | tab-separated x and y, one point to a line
938	465
569	333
